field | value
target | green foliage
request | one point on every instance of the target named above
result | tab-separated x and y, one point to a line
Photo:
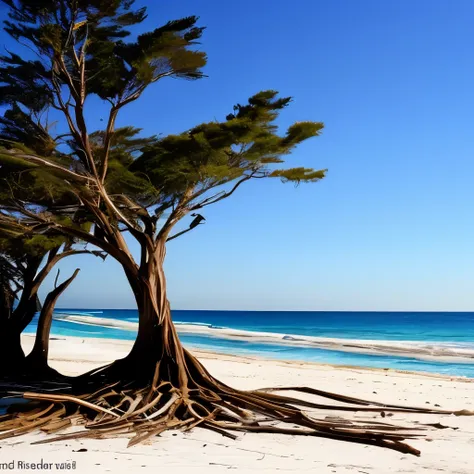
246	144
63	30
19	240
22	81
18	127
126	68
125	145
38	245
29	183
298	175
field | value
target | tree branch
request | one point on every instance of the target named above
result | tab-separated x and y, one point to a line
78	108
56	279
82	62
108	142
44	162
207	202
111	122
178	212
63	135
41	346
109	203
53	258
179	234
63	107
118	253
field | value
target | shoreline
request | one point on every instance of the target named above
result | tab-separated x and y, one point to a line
427	351
125	345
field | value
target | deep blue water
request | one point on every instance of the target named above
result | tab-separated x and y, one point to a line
439	328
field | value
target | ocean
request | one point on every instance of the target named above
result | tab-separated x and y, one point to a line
285	335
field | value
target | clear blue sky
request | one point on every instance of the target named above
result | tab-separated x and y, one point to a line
392	225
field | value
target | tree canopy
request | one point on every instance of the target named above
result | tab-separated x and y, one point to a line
85	49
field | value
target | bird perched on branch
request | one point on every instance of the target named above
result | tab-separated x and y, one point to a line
197	220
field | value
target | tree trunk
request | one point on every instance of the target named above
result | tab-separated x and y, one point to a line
37	360
27	307
157	342
12	357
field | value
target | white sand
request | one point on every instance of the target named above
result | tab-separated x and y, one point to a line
450	451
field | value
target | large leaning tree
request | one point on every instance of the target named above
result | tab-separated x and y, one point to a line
120	187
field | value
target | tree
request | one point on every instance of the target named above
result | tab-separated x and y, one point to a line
26	255
21	279
81	50
25	262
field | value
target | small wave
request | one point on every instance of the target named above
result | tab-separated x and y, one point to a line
89	320
76	313
179	323
291	338
198	324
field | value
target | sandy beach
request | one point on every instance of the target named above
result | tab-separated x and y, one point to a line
446	450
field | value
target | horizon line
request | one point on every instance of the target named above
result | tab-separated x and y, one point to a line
280	310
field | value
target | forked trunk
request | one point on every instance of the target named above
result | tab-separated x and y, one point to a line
157	340
37	360
157	355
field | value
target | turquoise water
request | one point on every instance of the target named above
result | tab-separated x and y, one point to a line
455	329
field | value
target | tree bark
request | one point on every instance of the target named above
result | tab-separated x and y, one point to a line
37	360
24	313
156	338
157	341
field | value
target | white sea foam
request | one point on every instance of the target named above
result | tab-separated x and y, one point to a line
446	352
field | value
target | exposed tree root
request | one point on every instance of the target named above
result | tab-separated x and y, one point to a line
46	380
184	397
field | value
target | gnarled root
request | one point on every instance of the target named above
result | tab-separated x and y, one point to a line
186	396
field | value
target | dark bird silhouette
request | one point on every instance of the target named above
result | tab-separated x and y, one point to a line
197	220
